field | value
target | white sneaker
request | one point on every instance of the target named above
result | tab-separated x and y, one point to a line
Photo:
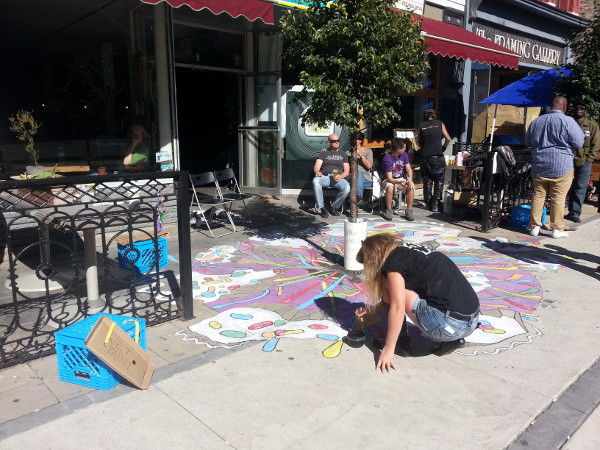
556	233
534	231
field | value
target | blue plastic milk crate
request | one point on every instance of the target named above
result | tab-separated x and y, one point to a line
77	364
519	216
142	255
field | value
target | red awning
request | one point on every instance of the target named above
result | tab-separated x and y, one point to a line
449	40
250	9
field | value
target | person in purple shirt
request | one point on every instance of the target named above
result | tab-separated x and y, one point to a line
553	138
398	175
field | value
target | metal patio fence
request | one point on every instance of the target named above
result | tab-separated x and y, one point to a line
78	245
498	190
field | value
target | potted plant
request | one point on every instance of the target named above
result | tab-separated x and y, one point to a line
101	170
26	127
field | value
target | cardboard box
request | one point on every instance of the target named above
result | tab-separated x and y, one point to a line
117	350
466	198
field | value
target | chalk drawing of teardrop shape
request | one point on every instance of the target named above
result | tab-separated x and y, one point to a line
210	287
214	255
238	326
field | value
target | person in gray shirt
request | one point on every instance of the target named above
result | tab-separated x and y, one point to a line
331	170
553	137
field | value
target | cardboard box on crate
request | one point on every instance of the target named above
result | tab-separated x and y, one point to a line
78	365
139	252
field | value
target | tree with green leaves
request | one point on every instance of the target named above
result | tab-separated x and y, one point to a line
355	58
584	84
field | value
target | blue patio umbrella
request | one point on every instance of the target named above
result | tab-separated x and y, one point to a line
534	90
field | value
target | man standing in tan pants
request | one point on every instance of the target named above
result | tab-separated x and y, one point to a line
553	137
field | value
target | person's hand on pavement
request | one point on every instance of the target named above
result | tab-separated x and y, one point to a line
386	361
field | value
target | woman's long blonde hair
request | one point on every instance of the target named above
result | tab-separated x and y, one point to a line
372	254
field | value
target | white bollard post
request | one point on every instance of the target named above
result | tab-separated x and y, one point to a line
354	234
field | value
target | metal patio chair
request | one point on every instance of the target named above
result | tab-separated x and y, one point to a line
206	197
229	189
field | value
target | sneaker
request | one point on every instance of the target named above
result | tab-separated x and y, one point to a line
535	230
556	233
324	213
409	215
334	212
573	217
388	214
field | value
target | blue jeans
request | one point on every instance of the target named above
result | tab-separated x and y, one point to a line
362	183
438	325
327	181
581	178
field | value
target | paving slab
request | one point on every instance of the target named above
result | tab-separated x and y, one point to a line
587	437
296	398
25	399
140	419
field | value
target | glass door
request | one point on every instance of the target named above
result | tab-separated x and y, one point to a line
259	133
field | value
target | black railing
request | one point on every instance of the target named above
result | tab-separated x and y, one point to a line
78	245
499	190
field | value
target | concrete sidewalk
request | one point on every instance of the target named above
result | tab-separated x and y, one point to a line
487	396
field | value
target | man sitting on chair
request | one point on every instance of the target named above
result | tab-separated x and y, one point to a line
398	175
331	169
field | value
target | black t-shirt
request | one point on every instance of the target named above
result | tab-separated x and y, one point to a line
430	138
435	278
332	160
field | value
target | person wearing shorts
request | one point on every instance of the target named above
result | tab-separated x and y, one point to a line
428	287
398	175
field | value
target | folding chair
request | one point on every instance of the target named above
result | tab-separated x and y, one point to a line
229	189
375	194
205	202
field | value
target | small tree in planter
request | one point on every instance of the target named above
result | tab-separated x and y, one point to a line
355	58
26	127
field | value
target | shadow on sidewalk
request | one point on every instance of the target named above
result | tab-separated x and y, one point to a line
546	253
275	214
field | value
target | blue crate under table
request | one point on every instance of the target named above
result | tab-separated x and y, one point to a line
142	255
76	364
519	216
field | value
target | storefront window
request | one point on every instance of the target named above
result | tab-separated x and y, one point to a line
76	71
206	47
411	107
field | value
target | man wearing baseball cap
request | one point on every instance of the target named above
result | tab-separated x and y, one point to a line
582	159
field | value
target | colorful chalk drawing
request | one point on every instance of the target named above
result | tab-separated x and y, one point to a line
303	274
237	326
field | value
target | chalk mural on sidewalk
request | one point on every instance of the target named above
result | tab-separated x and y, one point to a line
237	326
304	274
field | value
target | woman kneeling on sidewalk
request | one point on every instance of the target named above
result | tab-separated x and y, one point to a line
428	287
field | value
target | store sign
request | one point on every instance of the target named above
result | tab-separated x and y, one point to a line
530	50
415	6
